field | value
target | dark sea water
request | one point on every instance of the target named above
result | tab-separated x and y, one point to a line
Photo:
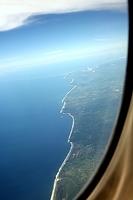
33	135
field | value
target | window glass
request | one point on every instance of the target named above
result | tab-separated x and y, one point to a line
62	71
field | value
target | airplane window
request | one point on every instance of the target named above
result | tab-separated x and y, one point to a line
62	72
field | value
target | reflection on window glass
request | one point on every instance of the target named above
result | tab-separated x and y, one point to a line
62	69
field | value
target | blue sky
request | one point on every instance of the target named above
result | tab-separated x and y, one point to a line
58	37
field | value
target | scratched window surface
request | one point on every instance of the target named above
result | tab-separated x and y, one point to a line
62	71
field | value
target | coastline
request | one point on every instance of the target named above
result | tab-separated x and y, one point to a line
71	147
63	100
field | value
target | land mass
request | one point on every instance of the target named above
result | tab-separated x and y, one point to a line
93	103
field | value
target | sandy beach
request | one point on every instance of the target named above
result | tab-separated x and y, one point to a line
69	153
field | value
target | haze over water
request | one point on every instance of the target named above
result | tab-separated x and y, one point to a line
35	55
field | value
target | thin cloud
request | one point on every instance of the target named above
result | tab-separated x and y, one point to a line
14	13
60	55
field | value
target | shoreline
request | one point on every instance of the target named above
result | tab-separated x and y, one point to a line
63	100
71	147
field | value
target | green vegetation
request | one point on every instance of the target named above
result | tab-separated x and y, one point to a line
94	103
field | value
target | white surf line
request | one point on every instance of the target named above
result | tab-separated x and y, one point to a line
64	162
61	111
68	93
69	153
72	81
71	127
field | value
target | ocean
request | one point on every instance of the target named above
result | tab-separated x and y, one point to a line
33	134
